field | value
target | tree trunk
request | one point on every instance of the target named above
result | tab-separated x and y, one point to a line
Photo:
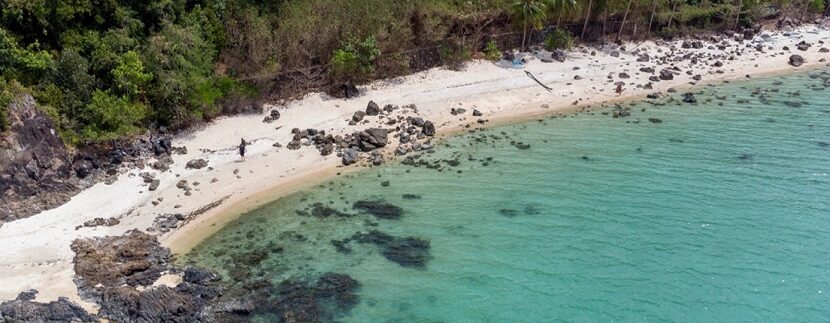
738	14
804	11
604	21
671	16
559	18
625	16
651	19
826	10
587	16
524	36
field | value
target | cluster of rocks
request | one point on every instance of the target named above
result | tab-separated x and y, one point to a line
25	309
274	115
118	273
411	252
293	300
350	147
97	222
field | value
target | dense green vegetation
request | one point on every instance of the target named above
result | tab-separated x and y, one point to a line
107	69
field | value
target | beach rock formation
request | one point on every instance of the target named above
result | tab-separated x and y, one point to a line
796	60
35	166
371	139
119	273
372	109
196	164
25	309
273	116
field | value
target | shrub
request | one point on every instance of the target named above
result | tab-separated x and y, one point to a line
492	51
109	116
355	60
559	39
668	32
129	75
454	54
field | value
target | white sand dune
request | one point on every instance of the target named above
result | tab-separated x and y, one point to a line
35	252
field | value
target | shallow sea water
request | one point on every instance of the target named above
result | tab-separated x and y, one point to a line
720	213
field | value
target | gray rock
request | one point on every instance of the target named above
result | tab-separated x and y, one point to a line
154	185
349	156
372	109
358	116
428	128
196	164
796	60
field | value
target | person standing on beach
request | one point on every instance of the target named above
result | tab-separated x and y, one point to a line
242	149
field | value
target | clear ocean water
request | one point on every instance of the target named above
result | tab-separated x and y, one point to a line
719	213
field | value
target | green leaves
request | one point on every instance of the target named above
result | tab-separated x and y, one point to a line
355	60
111	116
130	78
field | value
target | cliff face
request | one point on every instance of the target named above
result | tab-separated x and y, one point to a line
34	164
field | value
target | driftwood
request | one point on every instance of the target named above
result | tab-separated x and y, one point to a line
537	81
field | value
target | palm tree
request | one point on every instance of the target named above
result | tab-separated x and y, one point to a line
625	16
673	7
531	12
561	7
651	19
738	16
587	17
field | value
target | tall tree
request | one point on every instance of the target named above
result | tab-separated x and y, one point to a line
531	12
562	7
587	17
651	18
625	16
738	13
671	15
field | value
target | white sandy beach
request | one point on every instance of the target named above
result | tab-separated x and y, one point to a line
35	252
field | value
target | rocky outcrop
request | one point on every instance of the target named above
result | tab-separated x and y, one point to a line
118	273
25	309
34	164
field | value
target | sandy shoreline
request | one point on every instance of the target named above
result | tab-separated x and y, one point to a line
36	251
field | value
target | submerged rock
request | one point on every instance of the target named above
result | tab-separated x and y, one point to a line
409	252
379	209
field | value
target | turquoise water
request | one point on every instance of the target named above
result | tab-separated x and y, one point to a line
721	213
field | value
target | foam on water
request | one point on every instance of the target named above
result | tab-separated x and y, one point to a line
721	212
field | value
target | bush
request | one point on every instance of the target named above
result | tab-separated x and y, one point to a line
668	33
559	39
454	54
355	60
492	51
109	117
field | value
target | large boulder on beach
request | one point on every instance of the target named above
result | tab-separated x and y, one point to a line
358	116
196	164
666	75
349	156
558	55
428	128
350	91
796	60
371	139
372	109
